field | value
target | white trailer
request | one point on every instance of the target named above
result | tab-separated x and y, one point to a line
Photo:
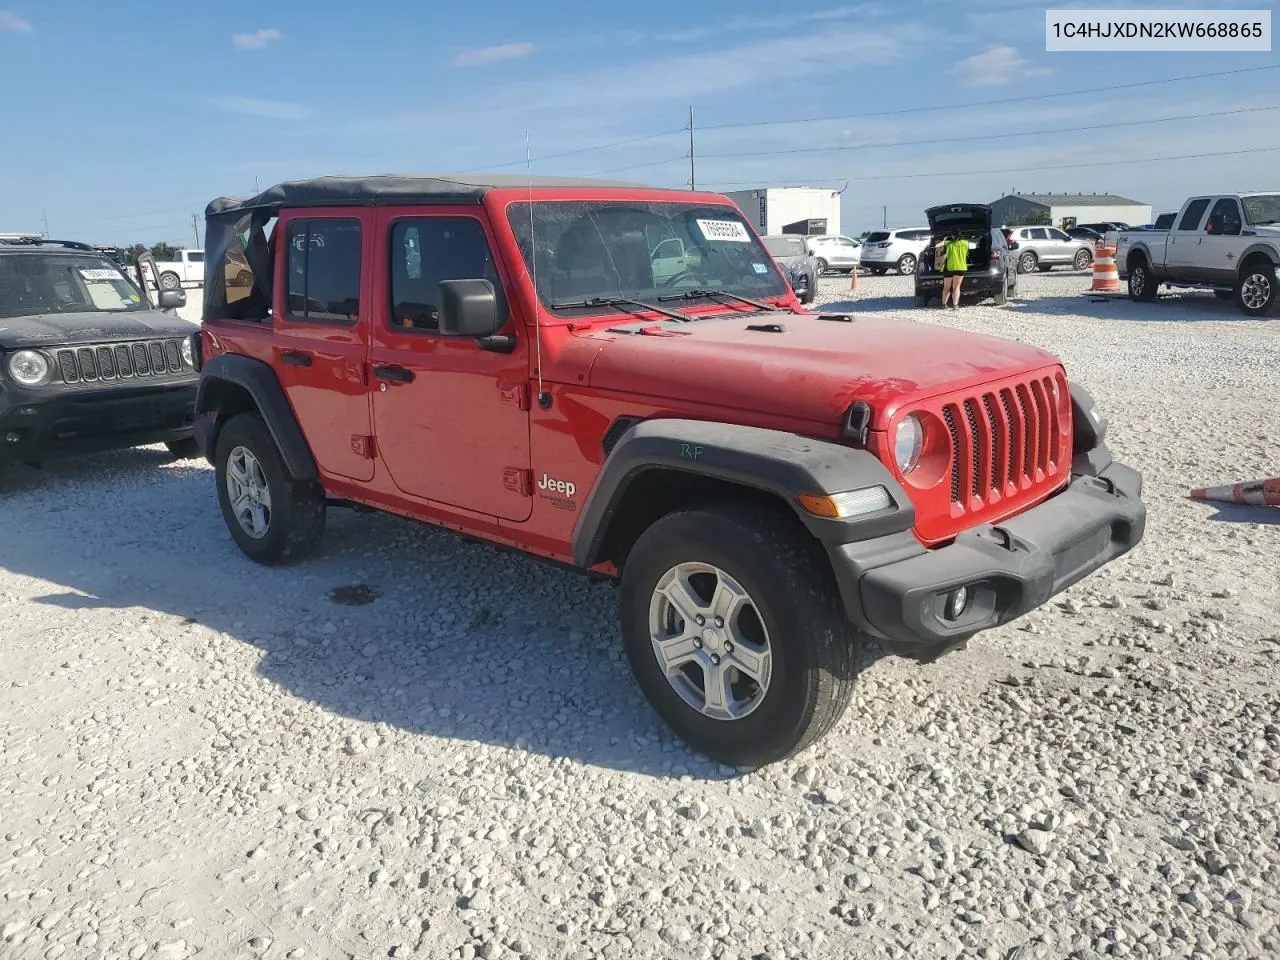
800	210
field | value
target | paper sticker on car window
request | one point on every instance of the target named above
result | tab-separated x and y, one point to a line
760	268
728	230
100	274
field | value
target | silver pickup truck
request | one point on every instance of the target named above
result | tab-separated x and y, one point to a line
1229	244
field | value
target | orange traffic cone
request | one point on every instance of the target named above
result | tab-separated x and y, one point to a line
853	279
1106	278
1256	493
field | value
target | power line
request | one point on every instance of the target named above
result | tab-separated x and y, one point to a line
1038	167
989	103
581	150
979	137
791	151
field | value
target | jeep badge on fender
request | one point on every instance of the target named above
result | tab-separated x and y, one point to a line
759	529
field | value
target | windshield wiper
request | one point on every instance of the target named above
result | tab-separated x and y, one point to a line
698	294
619	302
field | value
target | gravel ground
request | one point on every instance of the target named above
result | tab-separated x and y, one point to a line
200	757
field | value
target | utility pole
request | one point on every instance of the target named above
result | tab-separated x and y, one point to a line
45	219
255	186
693	163
195	229
885	214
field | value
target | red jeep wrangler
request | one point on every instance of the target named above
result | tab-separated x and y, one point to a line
535	363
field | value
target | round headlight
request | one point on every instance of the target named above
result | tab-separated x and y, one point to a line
188	353
908	440
28	367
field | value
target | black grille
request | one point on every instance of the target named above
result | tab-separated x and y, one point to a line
975	471
148	358
998	430
955	461
87	364
106	363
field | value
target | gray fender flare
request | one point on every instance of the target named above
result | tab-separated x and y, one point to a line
772	461
258	380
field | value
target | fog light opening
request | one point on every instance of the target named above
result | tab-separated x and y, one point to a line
956	604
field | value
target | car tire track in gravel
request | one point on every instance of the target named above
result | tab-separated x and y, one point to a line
200	757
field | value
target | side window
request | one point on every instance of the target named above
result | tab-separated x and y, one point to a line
1191	219
1038	233
323	269
1229	211
195	256
1058	235
428	250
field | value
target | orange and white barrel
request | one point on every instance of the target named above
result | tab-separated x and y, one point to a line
1106	278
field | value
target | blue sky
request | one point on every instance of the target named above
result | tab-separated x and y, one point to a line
121	120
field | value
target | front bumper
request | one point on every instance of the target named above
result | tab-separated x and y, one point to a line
897	590
81	421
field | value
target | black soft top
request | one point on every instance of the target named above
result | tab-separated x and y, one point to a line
395	189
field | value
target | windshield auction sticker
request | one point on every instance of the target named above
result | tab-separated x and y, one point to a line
1136	31
728	230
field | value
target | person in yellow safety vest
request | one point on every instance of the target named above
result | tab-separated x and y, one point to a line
956	262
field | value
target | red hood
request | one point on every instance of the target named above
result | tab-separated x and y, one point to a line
812	371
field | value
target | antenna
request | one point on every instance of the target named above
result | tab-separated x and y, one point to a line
544	398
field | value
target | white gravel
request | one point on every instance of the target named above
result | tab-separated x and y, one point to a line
200	757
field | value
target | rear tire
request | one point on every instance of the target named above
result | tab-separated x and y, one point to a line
1224	294
1001	296
1028	262
292	513
186	449
1143	287
907	264
922	299
170	281
879	271
789	622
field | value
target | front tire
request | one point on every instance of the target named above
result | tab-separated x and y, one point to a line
1258	290
1225	294
272	518
770	668
907	264
823	267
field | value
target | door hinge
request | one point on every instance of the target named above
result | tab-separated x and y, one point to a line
515	393
362	446
518	480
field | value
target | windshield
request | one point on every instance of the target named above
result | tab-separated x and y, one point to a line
36	283
784	246
640	250
1262	210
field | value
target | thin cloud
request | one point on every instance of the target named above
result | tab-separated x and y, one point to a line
484	55
15	24
995	67
256	40
258	107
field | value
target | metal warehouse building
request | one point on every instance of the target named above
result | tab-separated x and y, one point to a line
1066	210
790	209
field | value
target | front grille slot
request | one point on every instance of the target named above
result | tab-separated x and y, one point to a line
147	358
1003	441
88	367
106	363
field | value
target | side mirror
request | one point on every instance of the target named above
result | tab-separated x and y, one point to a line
468	308
172	299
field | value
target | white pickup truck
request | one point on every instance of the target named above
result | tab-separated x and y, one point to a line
187	268
1229	243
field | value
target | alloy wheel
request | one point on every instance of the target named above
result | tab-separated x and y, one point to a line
710	641
248	492
1255	291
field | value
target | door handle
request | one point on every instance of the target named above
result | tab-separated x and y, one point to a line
296	357
399	374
